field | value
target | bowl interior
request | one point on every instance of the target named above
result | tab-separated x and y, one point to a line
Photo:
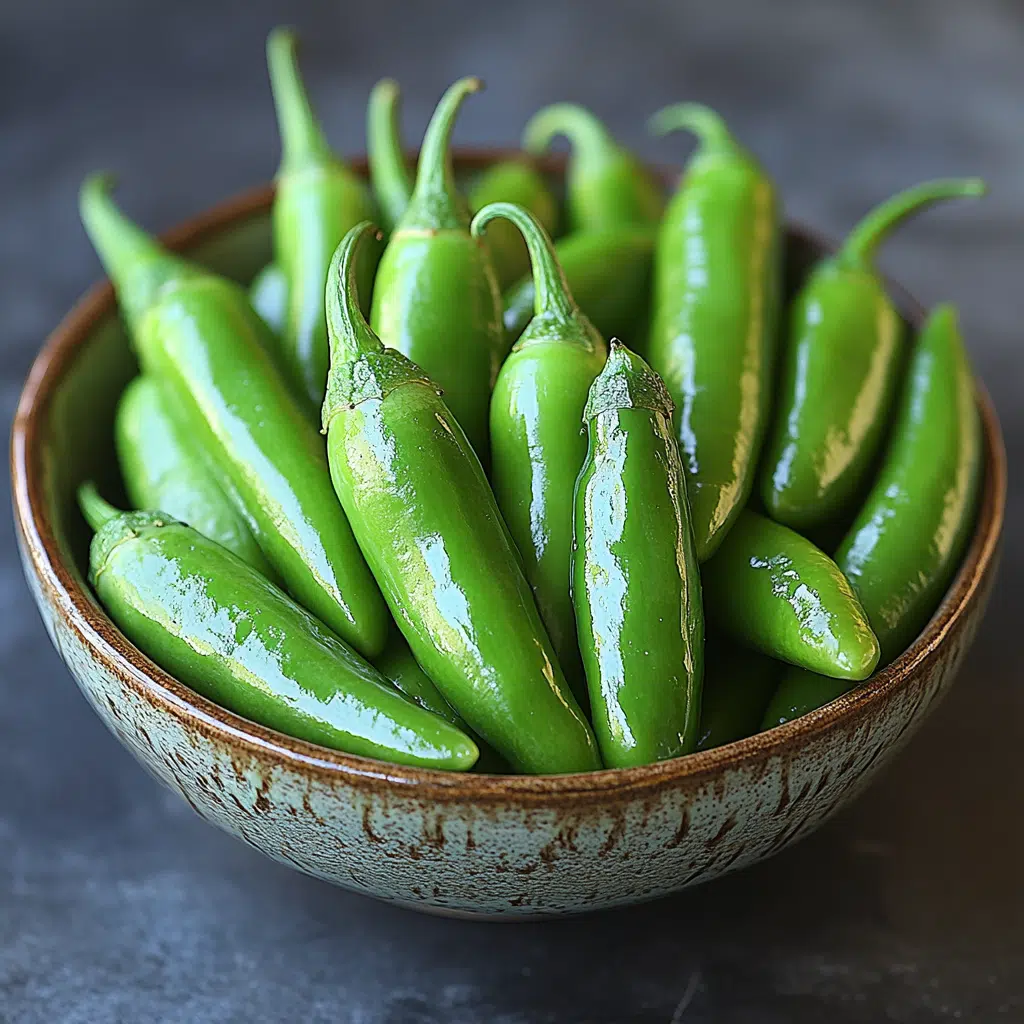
71	398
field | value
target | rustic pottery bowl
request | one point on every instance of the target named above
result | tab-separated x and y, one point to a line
465	844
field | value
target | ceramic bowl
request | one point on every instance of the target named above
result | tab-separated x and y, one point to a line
464	844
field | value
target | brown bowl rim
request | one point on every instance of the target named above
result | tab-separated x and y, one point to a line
161	689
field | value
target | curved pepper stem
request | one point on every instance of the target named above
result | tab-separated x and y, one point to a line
350	335
863	241
435	203
303	143
551	295
607	186
592	143
361	367
135	261
389	173
711	130
95	509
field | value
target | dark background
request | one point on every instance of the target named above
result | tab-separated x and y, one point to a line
118	904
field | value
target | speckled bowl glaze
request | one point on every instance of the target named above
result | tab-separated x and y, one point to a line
504	847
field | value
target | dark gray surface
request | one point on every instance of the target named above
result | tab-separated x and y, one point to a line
117	904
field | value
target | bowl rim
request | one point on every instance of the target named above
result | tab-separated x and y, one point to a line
76	605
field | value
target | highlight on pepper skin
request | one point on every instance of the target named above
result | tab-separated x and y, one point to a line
466	491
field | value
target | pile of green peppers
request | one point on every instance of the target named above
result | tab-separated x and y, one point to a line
448	493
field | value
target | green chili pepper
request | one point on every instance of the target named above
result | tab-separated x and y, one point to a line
426	519
537	447
841	371
436	299
390	175
773	590
717	278
910	536
268	294
519	182
163	472
318	199
398	666
738	683
198	335
222	628
609	274
636	586
607	186
799	692
510	181
402	670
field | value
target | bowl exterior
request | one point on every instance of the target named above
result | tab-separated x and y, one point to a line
520	854
477	845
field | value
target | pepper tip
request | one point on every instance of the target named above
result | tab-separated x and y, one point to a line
282	37
97	182
388	86
945	314
655	124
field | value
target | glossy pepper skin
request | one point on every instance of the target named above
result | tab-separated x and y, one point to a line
163	472
318	199
198	335
771	589
636	585
717	280
537	447
840	372
738	684
609	274
436	299
402	670
607	186
519	182
426	519
222	628
268	294
799	692
398	666
910	535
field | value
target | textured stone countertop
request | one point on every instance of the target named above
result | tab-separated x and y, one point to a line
118	904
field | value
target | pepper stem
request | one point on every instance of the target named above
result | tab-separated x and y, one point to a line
863	241
711	130
389	172
303	143
137	264
551	295
944	318
627	382
592	143
350	335
435	203
95	509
